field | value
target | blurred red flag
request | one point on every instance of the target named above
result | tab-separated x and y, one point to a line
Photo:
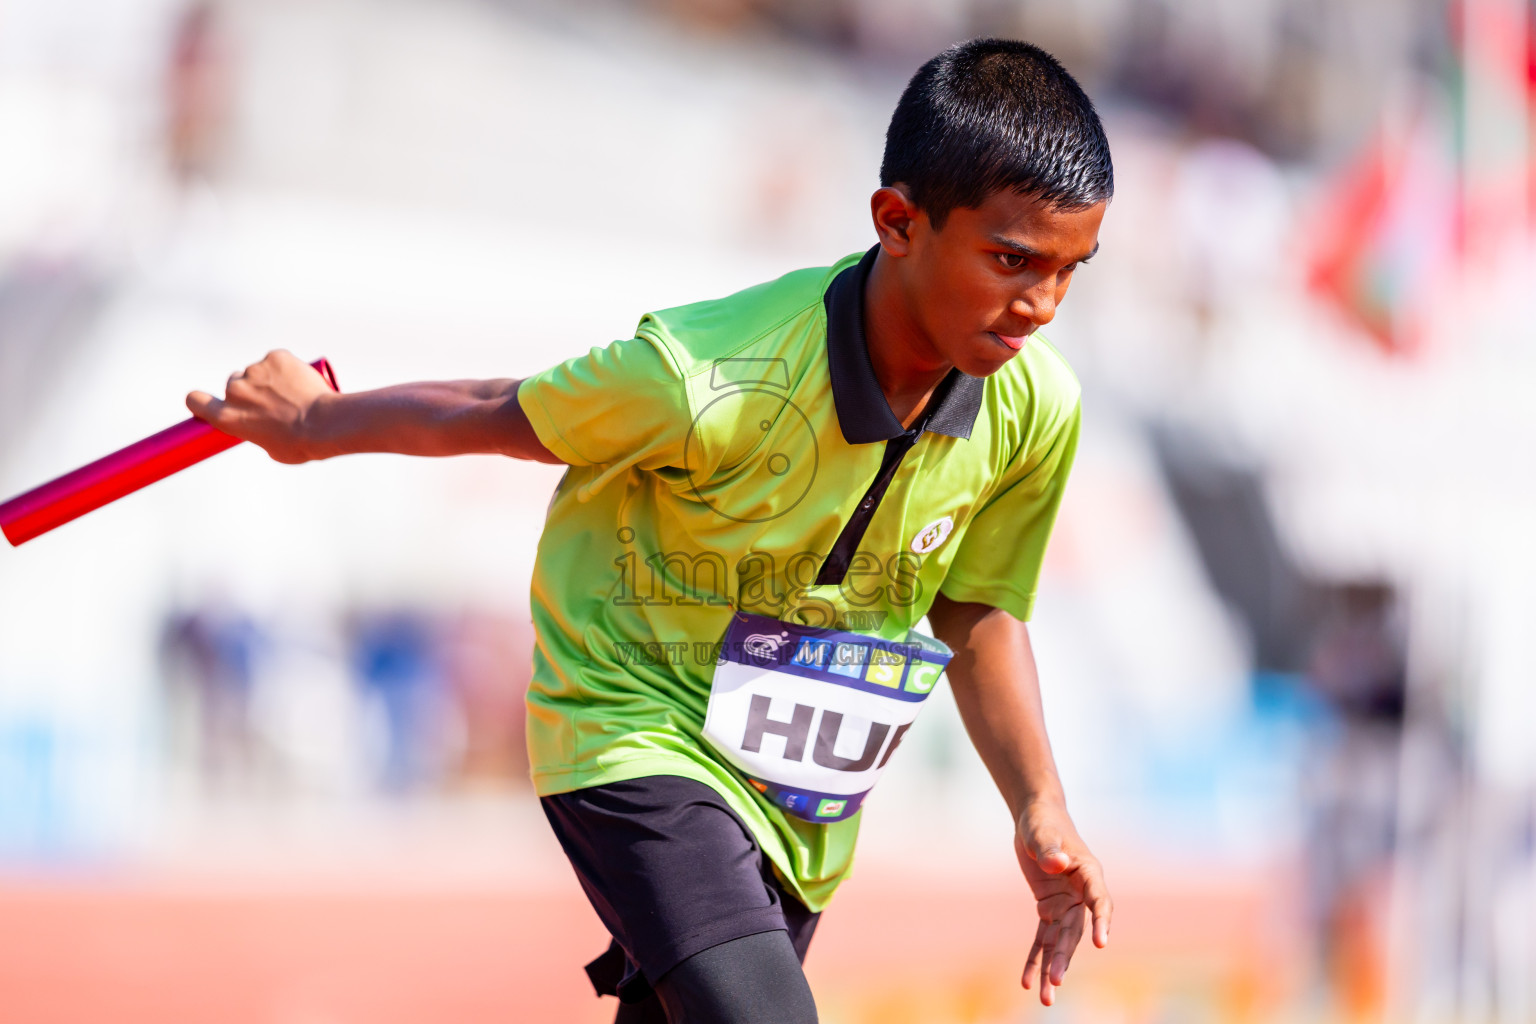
1385	237
1452	190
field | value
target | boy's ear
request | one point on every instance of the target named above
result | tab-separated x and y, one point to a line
894	215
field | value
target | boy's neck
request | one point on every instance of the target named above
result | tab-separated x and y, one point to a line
905	362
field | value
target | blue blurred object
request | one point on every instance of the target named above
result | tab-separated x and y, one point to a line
33	821
396	658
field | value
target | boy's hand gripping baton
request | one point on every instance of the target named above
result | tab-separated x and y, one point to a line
123	472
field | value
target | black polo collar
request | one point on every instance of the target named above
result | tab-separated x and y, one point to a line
862	411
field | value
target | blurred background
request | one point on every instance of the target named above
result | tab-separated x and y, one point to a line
261	752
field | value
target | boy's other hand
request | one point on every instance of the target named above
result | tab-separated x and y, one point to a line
267	404
1068	884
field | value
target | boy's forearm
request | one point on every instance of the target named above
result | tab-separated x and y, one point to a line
997	690
429	418
285	407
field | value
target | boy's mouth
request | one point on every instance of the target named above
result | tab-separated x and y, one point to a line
1014	342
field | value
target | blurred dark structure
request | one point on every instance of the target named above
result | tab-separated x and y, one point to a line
1341	645
1341	636
1223	505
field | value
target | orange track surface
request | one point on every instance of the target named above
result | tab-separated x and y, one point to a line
147	951
151	954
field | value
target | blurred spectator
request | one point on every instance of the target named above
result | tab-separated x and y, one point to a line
488	661
197	83
397	659
1357	660
1357	665
209	658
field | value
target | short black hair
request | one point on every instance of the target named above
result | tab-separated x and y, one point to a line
995	114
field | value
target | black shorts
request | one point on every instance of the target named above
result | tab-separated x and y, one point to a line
672	871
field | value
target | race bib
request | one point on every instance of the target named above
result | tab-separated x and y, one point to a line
811	716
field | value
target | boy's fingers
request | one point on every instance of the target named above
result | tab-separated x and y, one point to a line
1102	909
1050	939
1096	895
1061	956
1032	964
204	406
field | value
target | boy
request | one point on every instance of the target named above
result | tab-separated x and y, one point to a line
766	493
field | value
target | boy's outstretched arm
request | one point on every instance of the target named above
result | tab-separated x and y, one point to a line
282	405
998	692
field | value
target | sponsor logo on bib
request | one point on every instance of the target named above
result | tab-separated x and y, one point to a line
764	645
932	535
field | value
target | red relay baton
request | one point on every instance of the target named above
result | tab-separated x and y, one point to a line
140	464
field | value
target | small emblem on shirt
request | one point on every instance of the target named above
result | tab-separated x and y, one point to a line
932	535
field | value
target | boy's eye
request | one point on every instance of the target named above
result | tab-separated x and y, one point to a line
1011	260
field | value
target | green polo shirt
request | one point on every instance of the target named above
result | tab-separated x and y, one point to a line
738	454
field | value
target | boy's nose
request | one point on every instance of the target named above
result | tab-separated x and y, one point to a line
1038	306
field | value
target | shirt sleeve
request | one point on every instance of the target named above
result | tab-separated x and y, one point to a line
1001	552
619	406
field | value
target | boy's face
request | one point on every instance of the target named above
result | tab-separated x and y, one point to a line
981	285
